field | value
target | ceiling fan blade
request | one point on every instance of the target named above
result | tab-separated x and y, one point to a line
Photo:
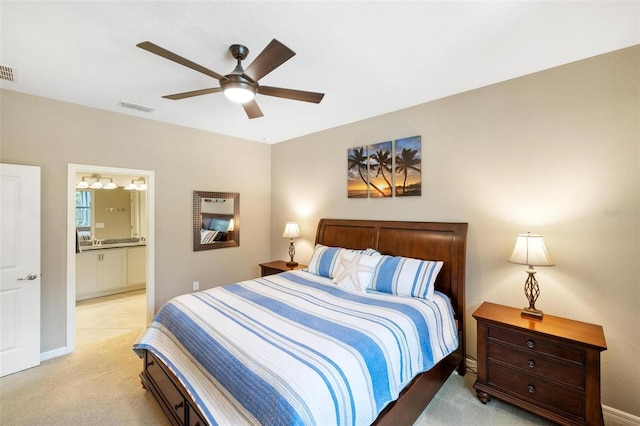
252	109
184	95
274	55
154	48
296	95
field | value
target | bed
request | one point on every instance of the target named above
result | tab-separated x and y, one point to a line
169	375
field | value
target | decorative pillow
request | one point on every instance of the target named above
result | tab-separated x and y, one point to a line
404	276
324	261
355	270
368	252
207	237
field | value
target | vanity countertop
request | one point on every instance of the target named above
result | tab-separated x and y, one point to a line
112	245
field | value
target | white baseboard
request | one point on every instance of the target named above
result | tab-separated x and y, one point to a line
471	364
612	416
45	356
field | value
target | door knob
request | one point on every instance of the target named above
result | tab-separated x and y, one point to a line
29	277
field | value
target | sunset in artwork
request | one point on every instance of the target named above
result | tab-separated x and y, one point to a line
380	170
408	166
385	169
357	172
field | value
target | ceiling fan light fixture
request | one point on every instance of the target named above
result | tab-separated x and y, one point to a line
239	95
238	89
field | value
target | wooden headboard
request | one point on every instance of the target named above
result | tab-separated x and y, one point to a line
444	241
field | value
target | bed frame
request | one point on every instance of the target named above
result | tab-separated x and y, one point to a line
422	240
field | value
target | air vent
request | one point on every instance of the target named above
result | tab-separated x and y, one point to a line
8	73
131	105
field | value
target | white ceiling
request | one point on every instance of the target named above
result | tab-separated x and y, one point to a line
369	58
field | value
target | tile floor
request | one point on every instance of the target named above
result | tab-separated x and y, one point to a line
109	316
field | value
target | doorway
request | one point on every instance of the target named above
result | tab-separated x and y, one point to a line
73	171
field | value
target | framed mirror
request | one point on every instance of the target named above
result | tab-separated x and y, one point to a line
216	220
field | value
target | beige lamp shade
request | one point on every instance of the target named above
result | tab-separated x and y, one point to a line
291	230
530	250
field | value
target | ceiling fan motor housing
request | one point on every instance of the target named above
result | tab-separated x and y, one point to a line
239	51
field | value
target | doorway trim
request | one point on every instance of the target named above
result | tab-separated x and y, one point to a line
72	170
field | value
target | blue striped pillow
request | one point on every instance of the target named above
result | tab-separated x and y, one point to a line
404	276
324	261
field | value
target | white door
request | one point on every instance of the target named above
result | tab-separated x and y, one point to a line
19	268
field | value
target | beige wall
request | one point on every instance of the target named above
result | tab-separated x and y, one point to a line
116	223
556	152
50	134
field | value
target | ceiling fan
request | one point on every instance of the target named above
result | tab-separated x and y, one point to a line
241	85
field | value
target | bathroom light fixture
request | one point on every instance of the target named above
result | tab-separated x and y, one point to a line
139	184
530	250
291	231
83	184
94	182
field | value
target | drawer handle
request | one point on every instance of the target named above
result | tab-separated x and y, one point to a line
531	389
179	405
530	344
531	363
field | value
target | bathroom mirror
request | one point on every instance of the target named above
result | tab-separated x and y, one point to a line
216	220
110	214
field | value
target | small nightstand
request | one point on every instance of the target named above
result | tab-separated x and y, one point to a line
550	367
277	266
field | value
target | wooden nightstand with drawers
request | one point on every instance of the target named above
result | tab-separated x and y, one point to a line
275	267
550	367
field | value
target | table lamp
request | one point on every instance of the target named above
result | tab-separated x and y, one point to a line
291	231
530	250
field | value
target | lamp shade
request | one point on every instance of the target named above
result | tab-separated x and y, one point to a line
530	250
82	184
291	230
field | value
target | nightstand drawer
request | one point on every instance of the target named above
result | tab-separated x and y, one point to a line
275	267
537	344
269	271
535	390
533	363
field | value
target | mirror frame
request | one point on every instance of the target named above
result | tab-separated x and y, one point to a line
197	220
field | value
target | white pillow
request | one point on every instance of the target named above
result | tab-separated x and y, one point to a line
404	276
354	270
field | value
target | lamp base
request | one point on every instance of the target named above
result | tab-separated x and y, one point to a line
532	313
292	263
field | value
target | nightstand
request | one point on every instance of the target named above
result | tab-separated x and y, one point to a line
276	267
550	367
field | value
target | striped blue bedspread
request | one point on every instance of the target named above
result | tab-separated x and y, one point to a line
295	349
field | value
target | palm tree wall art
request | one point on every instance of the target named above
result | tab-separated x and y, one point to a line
384	169
380	170
357	172
408	166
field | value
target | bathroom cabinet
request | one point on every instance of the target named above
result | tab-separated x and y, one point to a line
110	271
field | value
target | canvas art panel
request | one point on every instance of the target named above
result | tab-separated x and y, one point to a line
380	170
357	172
408	166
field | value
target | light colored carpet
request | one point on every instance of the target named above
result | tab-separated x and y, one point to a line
82	389
456	404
